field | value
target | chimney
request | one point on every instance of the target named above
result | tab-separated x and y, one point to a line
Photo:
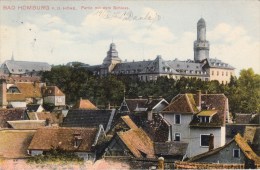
150	98
160	163
211	142
3	88
198	100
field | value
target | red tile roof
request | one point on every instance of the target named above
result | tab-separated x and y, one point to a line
85	104
27	90
185	104
129	122
138	142
14	143
246	149
53	91
10	114
63	138
182	103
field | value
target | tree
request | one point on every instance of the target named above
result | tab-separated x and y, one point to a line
249	91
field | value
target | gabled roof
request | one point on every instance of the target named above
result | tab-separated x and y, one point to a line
52	91
27	124
84	104
136	103
27	90
211	104
242	144
21	67
89	118
182	103
63	138
138	142
129	122
215	102
14	143
172	148
246	149
159	129
11	114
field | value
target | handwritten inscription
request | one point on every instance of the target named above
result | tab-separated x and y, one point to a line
128	15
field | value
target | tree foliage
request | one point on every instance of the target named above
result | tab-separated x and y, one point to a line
76	82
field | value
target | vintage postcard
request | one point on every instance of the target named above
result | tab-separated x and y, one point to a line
129	84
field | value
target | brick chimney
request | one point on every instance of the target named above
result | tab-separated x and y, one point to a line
198	100
3	88
211	142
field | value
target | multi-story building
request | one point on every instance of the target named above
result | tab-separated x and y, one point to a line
202	67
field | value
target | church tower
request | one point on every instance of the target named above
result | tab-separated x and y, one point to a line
201	45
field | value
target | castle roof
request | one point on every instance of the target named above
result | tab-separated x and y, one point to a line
21	67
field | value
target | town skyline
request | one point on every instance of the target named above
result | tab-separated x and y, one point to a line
81	32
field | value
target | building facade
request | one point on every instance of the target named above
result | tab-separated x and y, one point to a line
202	67
195	117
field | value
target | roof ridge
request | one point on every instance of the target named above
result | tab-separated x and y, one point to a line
189	103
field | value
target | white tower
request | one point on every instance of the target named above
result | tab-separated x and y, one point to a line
201	45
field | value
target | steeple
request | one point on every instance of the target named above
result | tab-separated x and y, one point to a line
201	45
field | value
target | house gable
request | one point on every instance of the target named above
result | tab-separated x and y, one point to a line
181	104
225	154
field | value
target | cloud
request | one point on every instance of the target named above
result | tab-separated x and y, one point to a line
233	45
50	38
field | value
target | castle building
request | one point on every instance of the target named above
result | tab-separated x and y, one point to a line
22	68
202	67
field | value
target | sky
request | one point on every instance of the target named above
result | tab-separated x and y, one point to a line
63	31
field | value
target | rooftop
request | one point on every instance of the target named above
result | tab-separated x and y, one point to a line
56	137
14	143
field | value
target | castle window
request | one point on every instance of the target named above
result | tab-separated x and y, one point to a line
217	73
222	73
226	73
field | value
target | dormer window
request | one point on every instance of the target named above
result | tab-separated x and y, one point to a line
206	115
204	119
